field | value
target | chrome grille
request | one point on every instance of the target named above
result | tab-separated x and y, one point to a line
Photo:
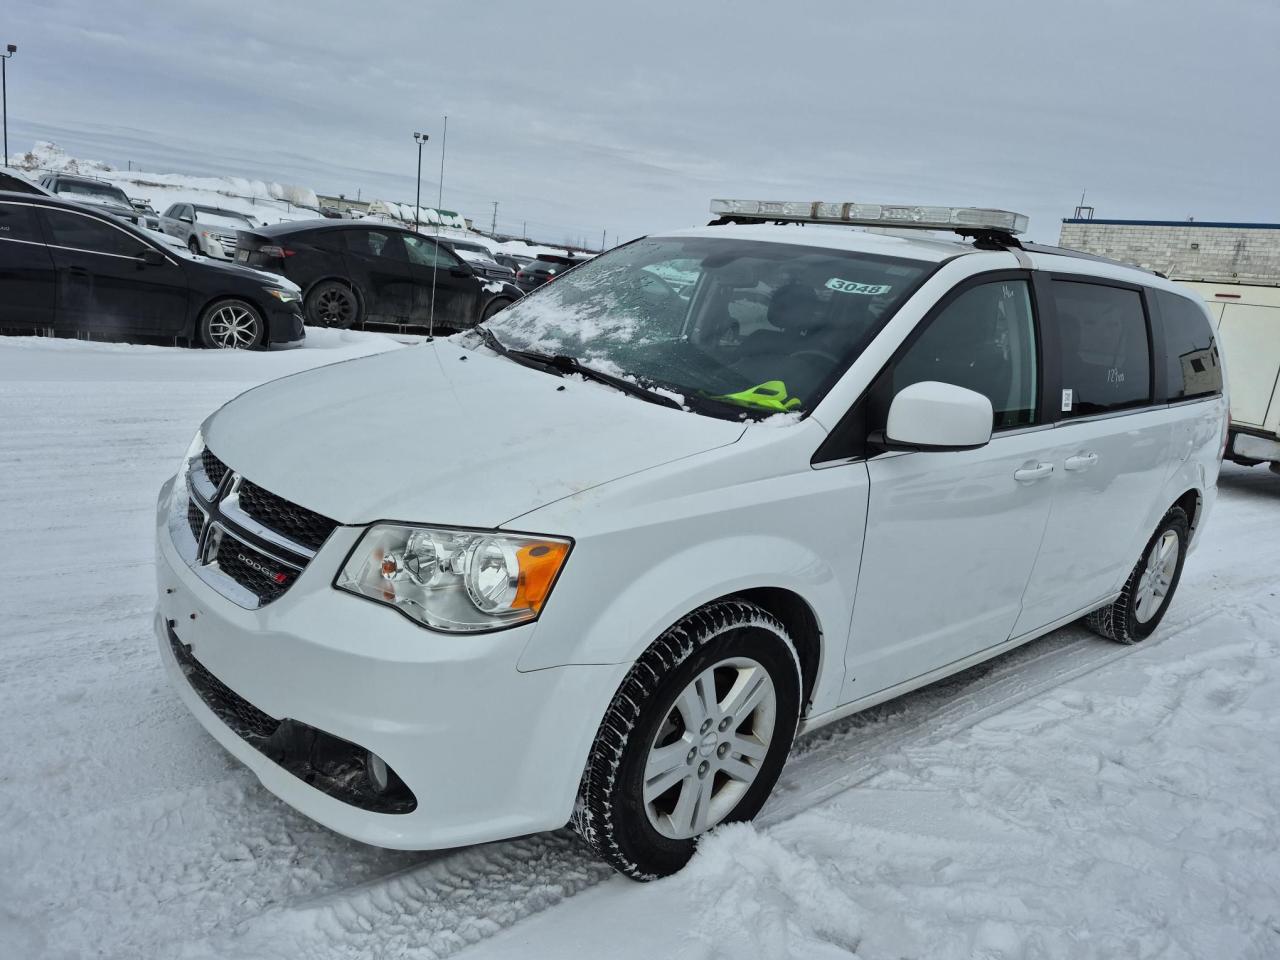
248	552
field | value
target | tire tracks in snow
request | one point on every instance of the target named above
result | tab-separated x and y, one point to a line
434	909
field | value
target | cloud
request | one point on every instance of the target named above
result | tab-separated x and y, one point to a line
583	117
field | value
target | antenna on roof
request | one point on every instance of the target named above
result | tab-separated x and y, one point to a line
1082	212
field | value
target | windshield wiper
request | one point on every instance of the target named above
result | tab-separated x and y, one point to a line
562	364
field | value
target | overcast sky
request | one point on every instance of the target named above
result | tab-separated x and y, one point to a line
628	117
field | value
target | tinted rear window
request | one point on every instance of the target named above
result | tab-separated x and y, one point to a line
1191	355
1104	348
18	222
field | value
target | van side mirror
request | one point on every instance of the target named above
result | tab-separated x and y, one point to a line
938	416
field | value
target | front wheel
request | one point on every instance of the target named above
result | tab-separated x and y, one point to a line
696	736
1147	593
231	325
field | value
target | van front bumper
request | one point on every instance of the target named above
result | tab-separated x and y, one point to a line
488	752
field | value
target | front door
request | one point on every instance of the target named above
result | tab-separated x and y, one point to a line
26	270
443	278
103	283
952	536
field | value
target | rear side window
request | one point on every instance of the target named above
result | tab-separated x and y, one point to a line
1191	355
376	243
18	222
984	340
1104	350
79	232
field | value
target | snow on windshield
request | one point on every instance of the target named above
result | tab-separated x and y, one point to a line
100	192
223	218
761	326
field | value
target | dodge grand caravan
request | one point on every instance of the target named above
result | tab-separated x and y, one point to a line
599	560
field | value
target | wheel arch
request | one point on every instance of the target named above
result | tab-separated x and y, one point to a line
781	576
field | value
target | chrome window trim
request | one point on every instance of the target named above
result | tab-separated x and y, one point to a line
94	217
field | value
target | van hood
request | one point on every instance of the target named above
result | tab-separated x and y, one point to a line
441	434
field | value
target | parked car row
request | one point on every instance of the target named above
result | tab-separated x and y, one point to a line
544	268
70	269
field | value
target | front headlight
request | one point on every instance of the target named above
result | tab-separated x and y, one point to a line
284	296
459	581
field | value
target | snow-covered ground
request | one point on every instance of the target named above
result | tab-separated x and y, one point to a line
1072	799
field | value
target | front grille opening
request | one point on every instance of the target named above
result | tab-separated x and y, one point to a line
214	468
331	764
299	524
195	520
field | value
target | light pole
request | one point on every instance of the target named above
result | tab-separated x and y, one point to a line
9	51
421	138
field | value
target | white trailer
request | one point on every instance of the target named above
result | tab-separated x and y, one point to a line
1247	318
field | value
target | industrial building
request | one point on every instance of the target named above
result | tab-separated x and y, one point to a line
1183	249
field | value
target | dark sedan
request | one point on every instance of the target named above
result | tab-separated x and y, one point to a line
544	269
69	270
351	272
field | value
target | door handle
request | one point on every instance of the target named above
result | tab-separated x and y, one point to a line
1082	461
1031	473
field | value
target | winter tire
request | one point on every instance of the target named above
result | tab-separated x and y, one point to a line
231	325
695	736
1145	598
333	304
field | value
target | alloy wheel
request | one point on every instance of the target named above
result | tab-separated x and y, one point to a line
233	327
1157	578
335	307
709	748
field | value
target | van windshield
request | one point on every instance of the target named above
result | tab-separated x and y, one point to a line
757	327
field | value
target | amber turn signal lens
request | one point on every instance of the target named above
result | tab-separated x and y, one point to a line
539	563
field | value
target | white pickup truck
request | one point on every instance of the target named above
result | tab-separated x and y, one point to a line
1248	323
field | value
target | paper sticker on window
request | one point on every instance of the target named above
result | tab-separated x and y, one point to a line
1068	398
866	289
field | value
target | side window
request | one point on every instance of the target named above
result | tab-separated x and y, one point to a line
171	211
425	253
18	222
984	340
1191	355
1104	349
80	232
376	243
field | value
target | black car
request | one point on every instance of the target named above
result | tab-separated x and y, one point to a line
99	193
72	270
351	272
16	182
544	268
513	261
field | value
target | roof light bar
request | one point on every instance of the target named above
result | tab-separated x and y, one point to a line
875	215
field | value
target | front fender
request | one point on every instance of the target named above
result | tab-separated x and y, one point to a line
606	618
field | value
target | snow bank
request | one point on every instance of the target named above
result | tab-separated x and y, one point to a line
265	201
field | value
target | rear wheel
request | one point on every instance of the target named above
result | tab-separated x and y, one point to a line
231	325
695	736
1147	593
332	304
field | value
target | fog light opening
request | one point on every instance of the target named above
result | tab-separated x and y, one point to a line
375	769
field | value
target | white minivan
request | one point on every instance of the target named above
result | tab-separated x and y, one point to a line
599	560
